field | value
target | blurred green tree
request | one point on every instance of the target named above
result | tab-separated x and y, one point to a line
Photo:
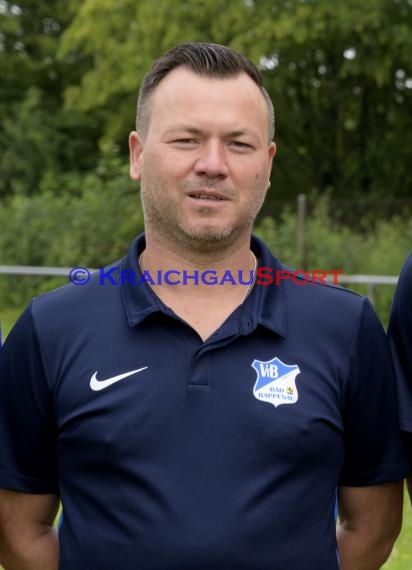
340	75
37	135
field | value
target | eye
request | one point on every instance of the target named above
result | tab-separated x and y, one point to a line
241	145
185	141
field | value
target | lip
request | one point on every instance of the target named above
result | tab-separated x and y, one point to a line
207	195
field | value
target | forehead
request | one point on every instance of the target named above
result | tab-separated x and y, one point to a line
232	102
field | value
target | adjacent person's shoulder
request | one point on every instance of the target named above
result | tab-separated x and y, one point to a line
408	263
405	277
400	322
400	339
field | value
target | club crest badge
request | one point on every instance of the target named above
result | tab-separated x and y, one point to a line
275	382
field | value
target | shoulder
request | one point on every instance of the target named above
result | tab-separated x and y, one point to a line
321	285
312	302
323	300
70	307
71	296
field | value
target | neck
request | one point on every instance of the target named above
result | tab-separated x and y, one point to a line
202	306
160	257
167	252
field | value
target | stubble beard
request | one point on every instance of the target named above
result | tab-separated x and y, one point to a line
162	219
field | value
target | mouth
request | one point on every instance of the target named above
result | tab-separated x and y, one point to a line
207	195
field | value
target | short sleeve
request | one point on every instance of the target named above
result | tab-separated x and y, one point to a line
400	338
27	427
374	449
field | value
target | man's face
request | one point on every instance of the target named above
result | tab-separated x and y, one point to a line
204	162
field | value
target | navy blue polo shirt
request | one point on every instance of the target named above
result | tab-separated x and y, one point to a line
170	453
400	336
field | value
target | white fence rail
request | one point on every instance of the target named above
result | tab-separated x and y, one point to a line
34	270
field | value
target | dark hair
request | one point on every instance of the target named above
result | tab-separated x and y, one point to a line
207	60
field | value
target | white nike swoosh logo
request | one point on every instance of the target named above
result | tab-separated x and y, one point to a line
97	385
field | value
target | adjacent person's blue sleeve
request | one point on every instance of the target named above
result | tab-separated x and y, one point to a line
400	338
374	450
27	428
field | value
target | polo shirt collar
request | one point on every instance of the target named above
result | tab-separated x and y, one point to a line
265	306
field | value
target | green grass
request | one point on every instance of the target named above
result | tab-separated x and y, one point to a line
7	319
401	557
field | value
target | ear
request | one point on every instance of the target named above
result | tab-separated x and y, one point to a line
135	152
271	153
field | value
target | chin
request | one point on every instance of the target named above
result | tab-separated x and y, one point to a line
207	233
211	238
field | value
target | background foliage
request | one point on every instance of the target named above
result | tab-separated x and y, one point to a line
339	73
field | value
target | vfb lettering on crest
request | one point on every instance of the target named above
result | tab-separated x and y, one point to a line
276	382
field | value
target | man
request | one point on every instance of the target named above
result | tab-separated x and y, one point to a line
192	426
400	336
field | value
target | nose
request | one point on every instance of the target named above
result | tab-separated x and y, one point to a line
212	161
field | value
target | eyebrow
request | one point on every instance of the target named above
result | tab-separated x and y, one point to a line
186	128
195	131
